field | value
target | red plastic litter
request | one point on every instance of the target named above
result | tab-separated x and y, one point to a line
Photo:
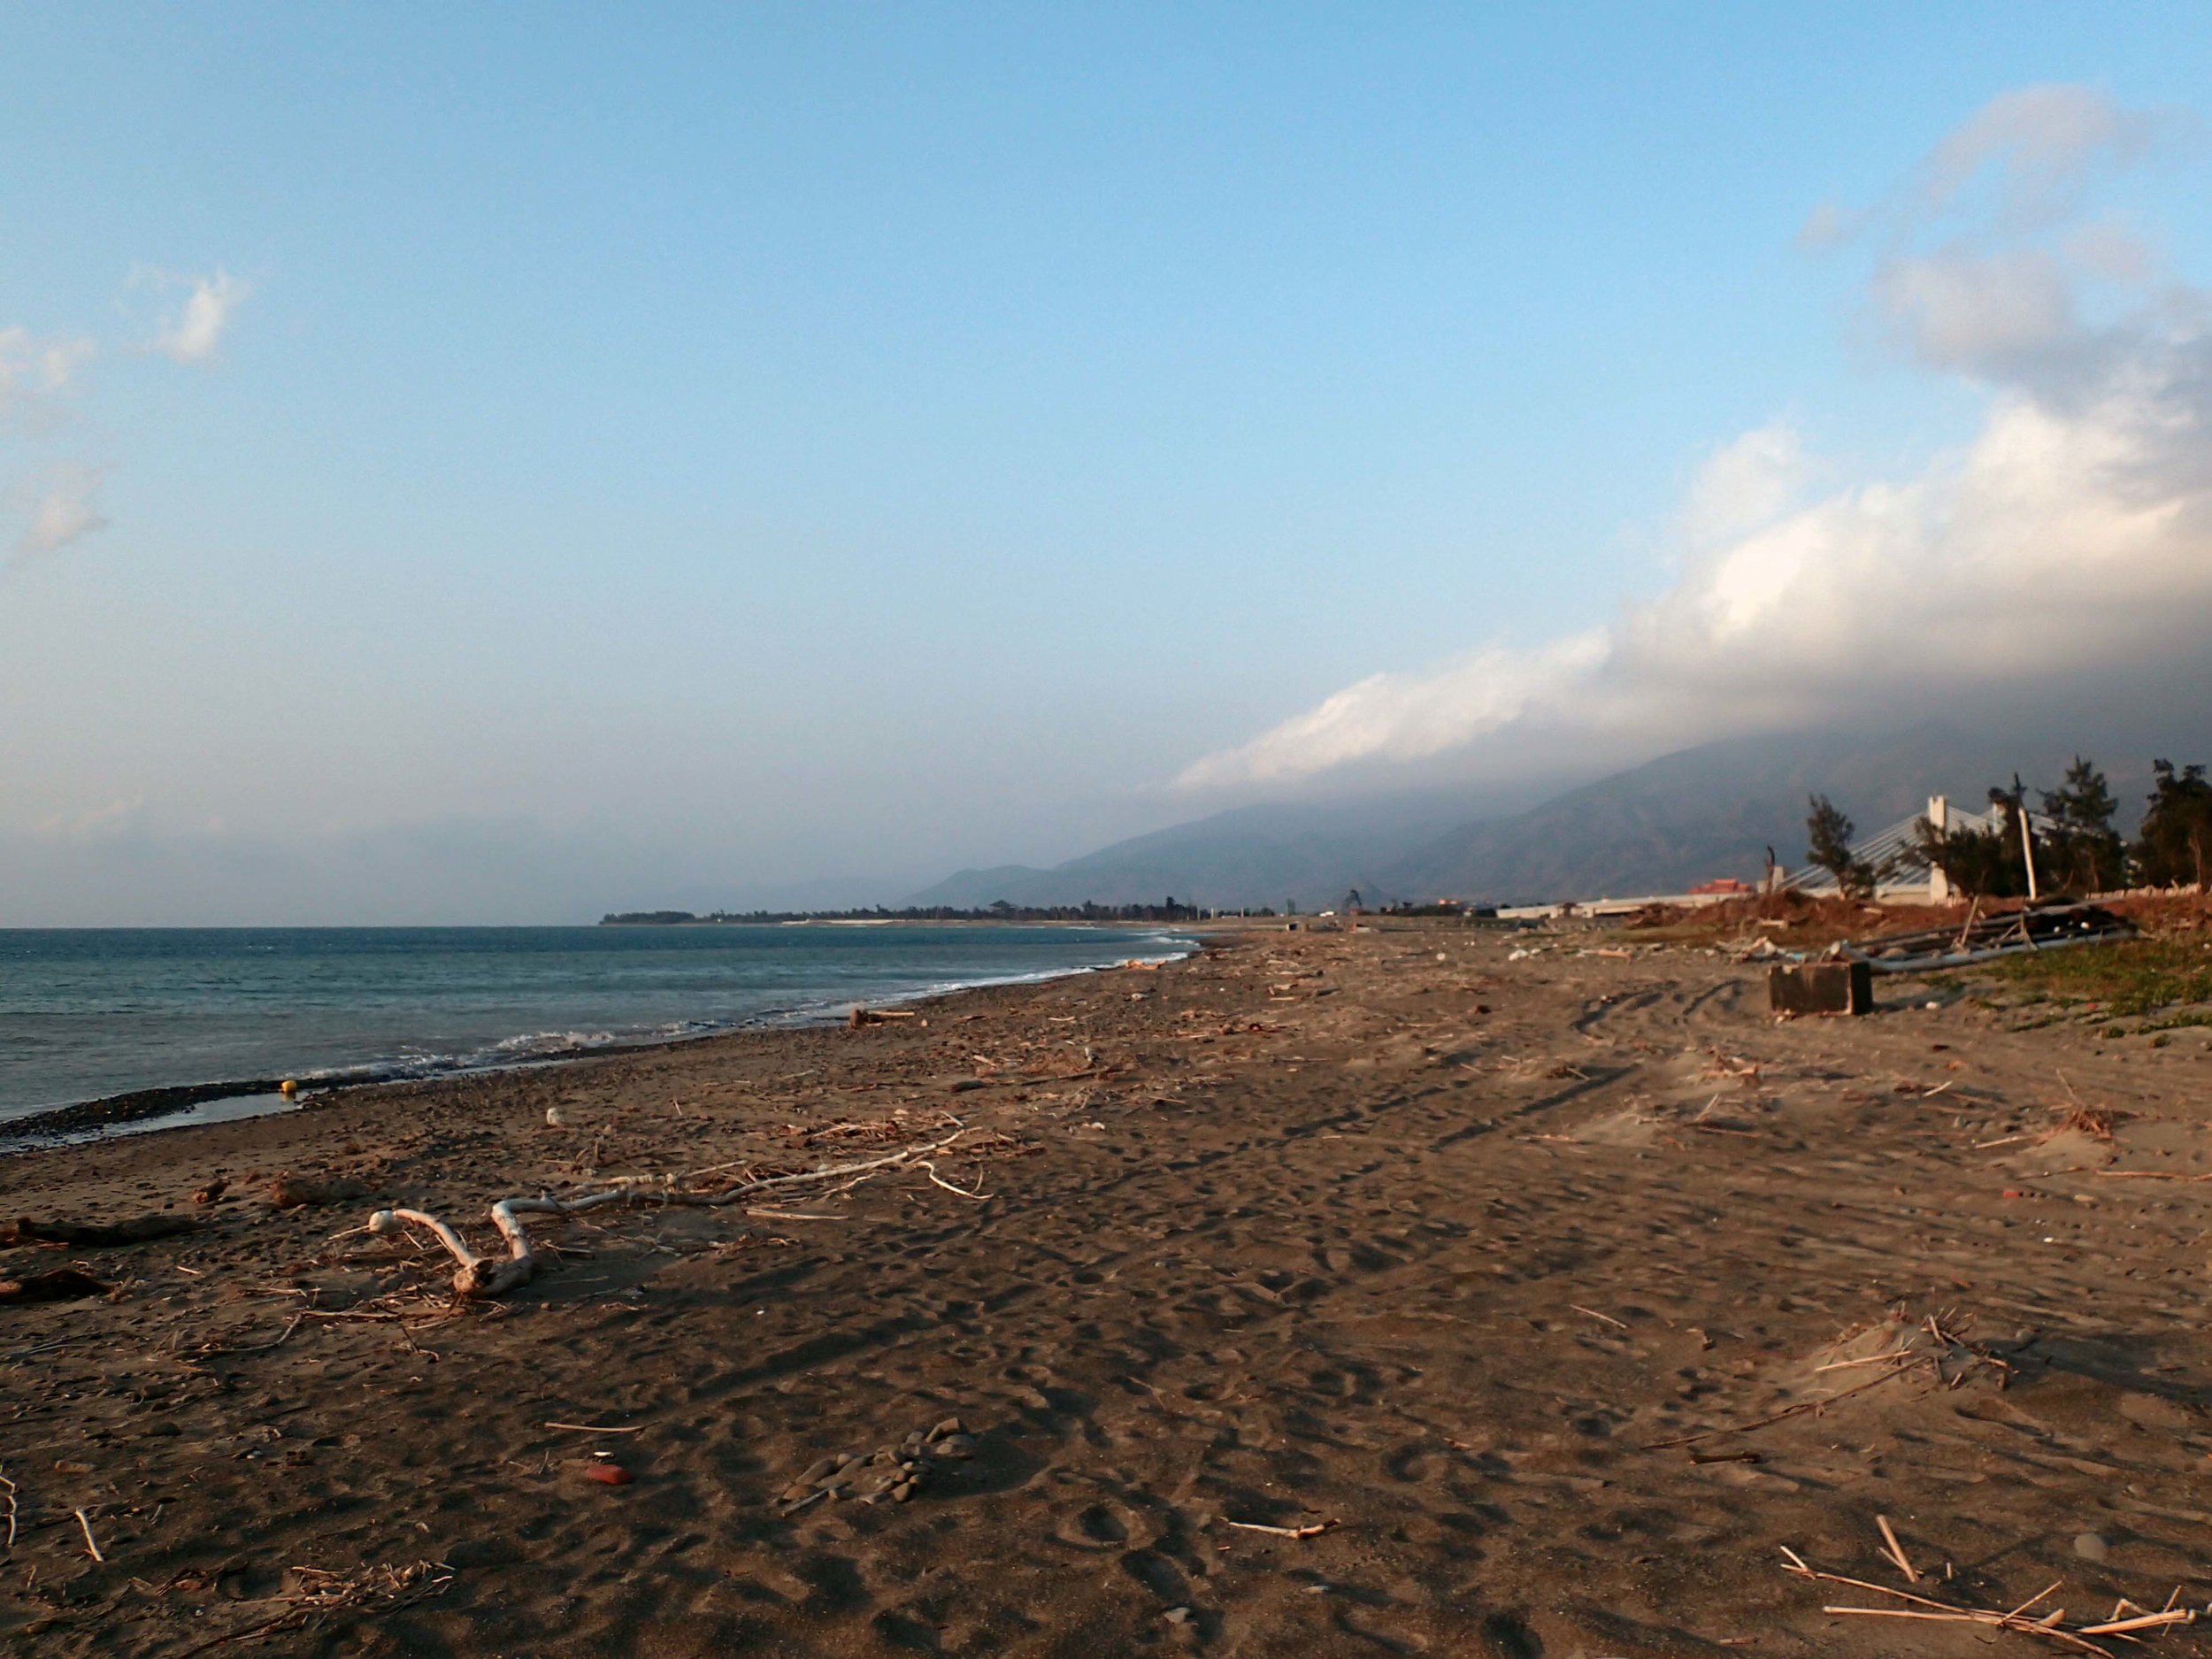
608	1475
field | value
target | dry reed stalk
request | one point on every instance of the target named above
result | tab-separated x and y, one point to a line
1896	1550
2049	1626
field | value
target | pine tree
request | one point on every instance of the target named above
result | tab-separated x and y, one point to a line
2175	844
2085	851
1828	843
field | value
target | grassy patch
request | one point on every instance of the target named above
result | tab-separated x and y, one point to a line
2175	1022
2125	981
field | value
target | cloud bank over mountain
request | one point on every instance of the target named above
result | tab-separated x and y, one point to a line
2071	535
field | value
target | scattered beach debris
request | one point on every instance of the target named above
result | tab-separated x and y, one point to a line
861	1016
1939	1341
2095	1123
2128	1620
1820	987
896	1472
1985	938
321	1595
480	1277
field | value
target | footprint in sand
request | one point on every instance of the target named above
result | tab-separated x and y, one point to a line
1158	1574
1098	1527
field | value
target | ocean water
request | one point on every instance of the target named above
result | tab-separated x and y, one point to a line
87	1014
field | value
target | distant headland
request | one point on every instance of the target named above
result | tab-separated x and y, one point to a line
1169	910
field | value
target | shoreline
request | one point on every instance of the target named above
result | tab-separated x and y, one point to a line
142	1111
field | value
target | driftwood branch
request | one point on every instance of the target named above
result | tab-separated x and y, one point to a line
1313	1531
477	1277
930	1168
93	1235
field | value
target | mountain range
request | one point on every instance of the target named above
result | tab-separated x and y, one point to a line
1660	827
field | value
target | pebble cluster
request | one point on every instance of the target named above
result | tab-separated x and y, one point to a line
890	1471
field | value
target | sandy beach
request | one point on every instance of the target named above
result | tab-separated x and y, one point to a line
1324	1294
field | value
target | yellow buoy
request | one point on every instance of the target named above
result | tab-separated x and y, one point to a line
287	1088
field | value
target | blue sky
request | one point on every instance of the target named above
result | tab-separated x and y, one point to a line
722	448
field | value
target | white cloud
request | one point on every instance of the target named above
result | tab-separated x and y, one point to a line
33	372
2110	252
1981	314
38	375
2039	148
192	335
63	512
2072	534
1827	226
1745	484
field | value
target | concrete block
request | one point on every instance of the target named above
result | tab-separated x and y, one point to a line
1821	988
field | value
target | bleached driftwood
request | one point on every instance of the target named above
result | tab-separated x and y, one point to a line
477	1277
1313	1531
861	1016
